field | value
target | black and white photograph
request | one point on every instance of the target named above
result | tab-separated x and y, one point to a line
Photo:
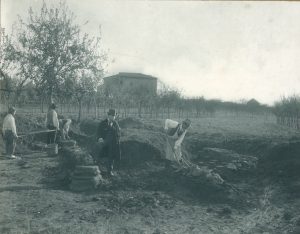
149	117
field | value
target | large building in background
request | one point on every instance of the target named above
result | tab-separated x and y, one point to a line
126	83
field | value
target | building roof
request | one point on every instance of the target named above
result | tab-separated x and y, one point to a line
132	75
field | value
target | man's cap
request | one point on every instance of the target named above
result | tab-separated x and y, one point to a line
187	122
52	106
111	112
11	110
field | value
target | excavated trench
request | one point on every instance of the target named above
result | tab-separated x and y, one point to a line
247	164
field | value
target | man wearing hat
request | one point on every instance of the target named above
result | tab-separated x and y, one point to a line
109	133
176	133
9	132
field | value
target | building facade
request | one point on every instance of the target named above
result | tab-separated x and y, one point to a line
130	83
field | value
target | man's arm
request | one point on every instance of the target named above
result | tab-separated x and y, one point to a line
13	127
179	140
118	129
170	124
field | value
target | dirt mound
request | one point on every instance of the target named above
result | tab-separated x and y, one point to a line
229	164
137	147
70	157
131	123
281	166
135	153
144	149
282	160
152	138
89	127
242	144
85	178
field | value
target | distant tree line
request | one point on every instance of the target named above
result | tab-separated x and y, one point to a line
167	103
287	111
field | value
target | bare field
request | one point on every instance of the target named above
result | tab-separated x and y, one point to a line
150	197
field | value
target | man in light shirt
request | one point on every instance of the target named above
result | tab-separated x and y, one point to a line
176	133
9	131
52	124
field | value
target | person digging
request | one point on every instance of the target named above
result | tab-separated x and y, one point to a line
108	133
176	132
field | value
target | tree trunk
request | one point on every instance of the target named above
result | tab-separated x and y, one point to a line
79	109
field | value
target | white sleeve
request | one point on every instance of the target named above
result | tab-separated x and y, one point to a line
170	124
13	126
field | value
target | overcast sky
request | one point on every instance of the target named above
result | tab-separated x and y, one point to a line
224	50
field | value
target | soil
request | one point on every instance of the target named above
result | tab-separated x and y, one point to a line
150	195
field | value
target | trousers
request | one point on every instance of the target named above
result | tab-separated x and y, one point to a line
10	142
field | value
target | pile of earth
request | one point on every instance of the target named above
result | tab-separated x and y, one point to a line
281	165
231	165
143	146
139	142
144	149
144	142
242	144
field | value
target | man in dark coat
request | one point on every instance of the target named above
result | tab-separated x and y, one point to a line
109	133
